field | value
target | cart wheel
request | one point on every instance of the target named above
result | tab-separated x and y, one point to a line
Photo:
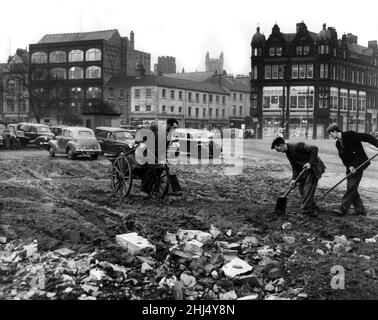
160	188
121	177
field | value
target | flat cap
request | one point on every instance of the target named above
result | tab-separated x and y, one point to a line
332	127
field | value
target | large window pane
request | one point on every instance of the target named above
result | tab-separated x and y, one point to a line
76	56
93	72
58	57
39	57
76	73
93	54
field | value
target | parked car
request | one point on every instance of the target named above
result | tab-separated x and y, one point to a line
114	140
129	127
35	134
75	141
199	143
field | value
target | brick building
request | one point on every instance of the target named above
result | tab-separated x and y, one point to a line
213	102
14	94
303	81
68	73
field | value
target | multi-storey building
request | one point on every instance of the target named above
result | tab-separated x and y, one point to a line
214	65
238	101
153	97
68	73
303	81
15	97
165	65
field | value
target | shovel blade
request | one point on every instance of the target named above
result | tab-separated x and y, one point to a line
281	205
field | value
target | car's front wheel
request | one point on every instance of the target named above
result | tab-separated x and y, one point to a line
70	154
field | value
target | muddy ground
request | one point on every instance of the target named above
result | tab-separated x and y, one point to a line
64	203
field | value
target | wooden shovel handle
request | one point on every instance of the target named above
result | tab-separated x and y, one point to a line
295	182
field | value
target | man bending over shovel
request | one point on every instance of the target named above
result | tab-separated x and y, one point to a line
352	155
303	157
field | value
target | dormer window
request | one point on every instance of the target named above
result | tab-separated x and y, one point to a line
272	51
299	50
279	51
306	50
275	51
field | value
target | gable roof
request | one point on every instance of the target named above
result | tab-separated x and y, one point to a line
166	82
233	84
192	76
79	36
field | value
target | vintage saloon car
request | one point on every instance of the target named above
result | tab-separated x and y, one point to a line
75	141
36	134
114	140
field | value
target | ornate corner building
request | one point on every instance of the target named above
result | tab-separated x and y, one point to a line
301	82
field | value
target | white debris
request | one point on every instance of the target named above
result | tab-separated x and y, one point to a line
146	267
96	274
251	297
64	252
320	251
236	267
194	246
230	295
265	251
249	242
287	226
188	280
214	232
3	240
31	249
343	240
229	233
134	243
186	235
171	238
372	240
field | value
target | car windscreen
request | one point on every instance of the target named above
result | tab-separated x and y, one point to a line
123	135
84	133
43	130
200	135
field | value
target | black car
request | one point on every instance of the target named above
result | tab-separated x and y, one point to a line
114	140
36	134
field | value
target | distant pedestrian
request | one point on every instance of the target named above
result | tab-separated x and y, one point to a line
352	154
302	156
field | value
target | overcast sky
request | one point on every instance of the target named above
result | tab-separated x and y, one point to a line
185	29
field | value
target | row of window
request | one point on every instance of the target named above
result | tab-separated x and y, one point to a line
191	96
303	98
172	109
299	50
74	73
11	105
73	93
92	54
306	71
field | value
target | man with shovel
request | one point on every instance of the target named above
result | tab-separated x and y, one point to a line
304	158
352	155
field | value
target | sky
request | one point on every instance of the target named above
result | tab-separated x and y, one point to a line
184	29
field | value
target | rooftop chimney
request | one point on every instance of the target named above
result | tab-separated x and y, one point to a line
352	38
